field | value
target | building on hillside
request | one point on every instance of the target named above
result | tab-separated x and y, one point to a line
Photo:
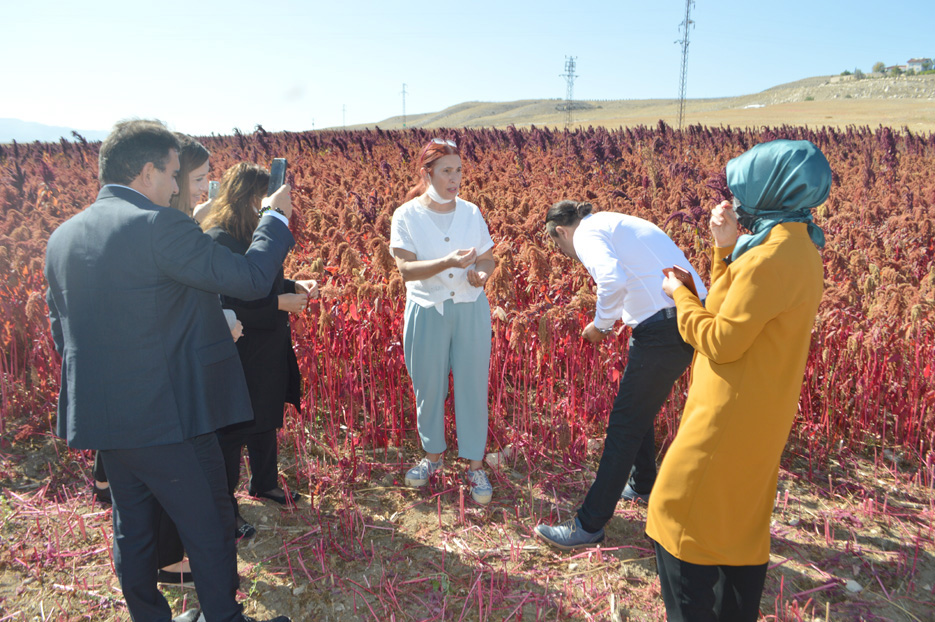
918	65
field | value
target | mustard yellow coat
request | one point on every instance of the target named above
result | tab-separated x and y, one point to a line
714	495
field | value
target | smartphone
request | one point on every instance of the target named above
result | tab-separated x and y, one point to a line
277	175
684	276
213	188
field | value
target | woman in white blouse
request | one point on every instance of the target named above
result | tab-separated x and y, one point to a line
445	255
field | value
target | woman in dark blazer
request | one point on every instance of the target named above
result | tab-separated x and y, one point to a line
269	362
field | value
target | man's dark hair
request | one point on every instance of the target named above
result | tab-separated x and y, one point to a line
130	146
565	213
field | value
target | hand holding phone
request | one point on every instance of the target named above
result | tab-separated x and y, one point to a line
281	201
684	276
277	175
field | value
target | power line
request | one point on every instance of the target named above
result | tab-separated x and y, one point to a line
404	105
569	76
683	78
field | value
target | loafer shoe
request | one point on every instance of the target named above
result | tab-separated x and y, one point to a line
101	494
189	616
419	474
569	535
631	495
278	496
244	530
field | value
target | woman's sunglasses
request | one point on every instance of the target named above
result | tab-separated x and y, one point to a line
442	141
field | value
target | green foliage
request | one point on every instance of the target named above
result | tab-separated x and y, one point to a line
879	67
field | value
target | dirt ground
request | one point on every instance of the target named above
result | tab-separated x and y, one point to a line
851	542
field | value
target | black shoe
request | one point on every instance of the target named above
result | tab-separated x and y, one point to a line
189	616
101	494
184	579
244	530
277	496
276	619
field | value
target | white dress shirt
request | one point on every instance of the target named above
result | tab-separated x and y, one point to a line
625	256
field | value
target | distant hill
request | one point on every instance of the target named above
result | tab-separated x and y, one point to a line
834	101
27	132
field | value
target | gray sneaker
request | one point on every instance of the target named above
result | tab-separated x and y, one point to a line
568	535
631	495
481	490
419	474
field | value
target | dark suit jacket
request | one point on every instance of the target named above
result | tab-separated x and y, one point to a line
265	349
147	357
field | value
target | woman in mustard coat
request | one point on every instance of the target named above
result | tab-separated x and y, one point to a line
710	510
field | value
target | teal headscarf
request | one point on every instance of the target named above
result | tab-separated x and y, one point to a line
775	182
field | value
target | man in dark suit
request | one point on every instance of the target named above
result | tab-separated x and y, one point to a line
149	368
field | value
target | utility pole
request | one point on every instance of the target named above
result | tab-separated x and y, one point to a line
404	105
569	76
683	78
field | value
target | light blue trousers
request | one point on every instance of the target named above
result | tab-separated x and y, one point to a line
459	342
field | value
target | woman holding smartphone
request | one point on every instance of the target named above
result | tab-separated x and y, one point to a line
445	255
710	510
269	362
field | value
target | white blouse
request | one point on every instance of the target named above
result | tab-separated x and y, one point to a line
414	230
625	256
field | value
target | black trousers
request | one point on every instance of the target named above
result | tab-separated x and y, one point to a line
187	479
264	459
657	358
695	593
169	549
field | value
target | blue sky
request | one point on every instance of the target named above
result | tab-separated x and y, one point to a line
211	66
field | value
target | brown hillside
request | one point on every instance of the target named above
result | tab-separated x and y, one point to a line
834	101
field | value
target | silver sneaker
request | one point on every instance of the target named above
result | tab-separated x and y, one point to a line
481	490
419	474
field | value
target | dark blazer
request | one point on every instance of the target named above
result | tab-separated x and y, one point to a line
265	349
147	357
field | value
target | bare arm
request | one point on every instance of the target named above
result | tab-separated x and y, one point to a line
413	269
483	268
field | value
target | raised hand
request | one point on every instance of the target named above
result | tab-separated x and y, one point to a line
281	200
723	224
